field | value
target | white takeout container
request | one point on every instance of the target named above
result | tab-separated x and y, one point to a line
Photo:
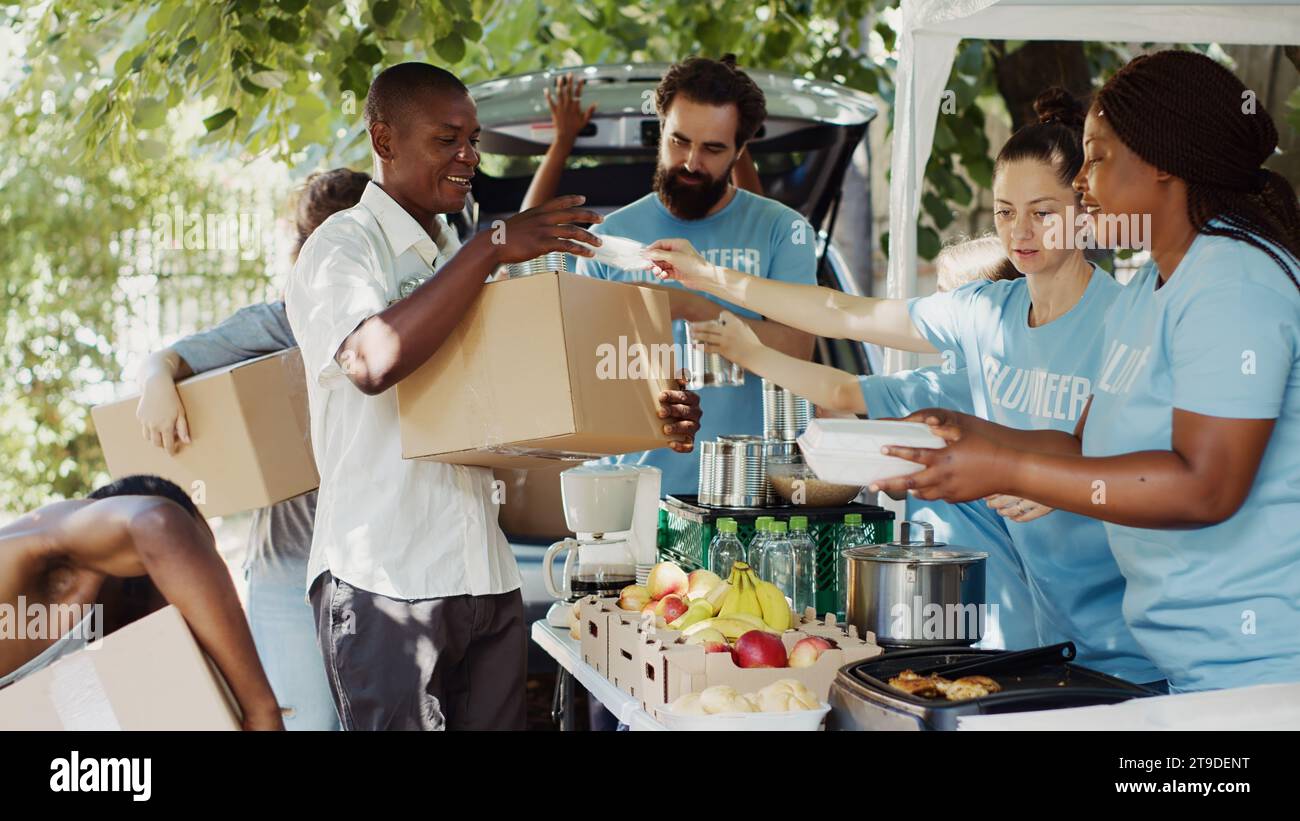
847	451
789	720
620	252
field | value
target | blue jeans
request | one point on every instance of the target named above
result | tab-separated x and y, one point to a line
284	630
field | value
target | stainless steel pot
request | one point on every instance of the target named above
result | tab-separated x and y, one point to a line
916	593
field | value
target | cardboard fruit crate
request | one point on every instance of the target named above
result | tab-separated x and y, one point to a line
669	670
593	617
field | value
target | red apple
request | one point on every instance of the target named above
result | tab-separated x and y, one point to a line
666	578
717	647
806	651
758	648
670	607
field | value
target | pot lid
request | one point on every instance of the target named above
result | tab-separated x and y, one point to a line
913	554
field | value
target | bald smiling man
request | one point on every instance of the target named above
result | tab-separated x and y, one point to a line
416	593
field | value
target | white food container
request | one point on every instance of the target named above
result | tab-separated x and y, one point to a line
847	451
790	720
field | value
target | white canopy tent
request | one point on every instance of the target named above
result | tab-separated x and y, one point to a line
930	31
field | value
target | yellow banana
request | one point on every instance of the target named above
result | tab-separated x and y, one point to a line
754	622
716	595
733	628
731	602
776	610
749	596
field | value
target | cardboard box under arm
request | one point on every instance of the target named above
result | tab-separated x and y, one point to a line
250	432
149	675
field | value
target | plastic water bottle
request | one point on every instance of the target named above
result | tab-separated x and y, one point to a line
725	549
755	551
778	562
852	534
805	565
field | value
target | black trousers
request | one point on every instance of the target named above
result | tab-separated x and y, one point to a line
455	663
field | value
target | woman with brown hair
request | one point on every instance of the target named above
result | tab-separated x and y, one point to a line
1190	447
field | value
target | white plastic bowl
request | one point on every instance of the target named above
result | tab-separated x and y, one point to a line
847	451
790	720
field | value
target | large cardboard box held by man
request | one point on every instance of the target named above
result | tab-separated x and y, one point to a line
149	675
544	367
251	438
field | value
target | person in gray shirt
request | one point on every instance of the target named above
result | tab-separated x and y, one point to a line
283	625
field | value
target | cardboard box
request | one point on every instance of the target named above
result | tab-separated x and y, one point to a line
669	671
251	436
149	675
532	508
544	367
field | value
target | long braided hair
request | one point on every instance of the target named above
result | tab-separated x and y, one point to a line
1185	114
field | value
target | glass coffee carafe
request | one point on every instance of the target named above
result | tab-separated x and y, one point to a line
592	566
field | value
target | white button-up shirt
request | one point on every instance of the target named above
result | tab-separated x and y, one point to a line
401	528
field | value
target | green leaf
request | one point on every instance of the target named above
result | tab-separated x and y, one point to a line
268	79
469	29
970	59
185	48
980	170
937	209
384	11
450	48
255	90
1293	114
149	113
283	29
943	137
219	119
368	54
205	25
777	44
928	243
292	6
152	149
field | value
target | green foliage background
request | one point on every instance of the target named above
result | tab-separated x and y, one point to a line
95	144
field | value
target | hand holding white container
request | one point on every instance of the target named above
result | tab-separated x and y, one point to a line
847	451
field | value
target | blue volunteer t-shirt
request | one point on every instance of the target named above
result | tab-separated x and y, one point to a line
1040	379
1215	606
751	234
969	525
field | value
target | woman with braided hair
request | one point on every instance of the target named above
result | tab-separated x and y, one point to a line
1190	447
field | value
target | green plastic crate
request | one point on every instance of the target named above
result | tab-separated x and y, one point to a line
686	528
